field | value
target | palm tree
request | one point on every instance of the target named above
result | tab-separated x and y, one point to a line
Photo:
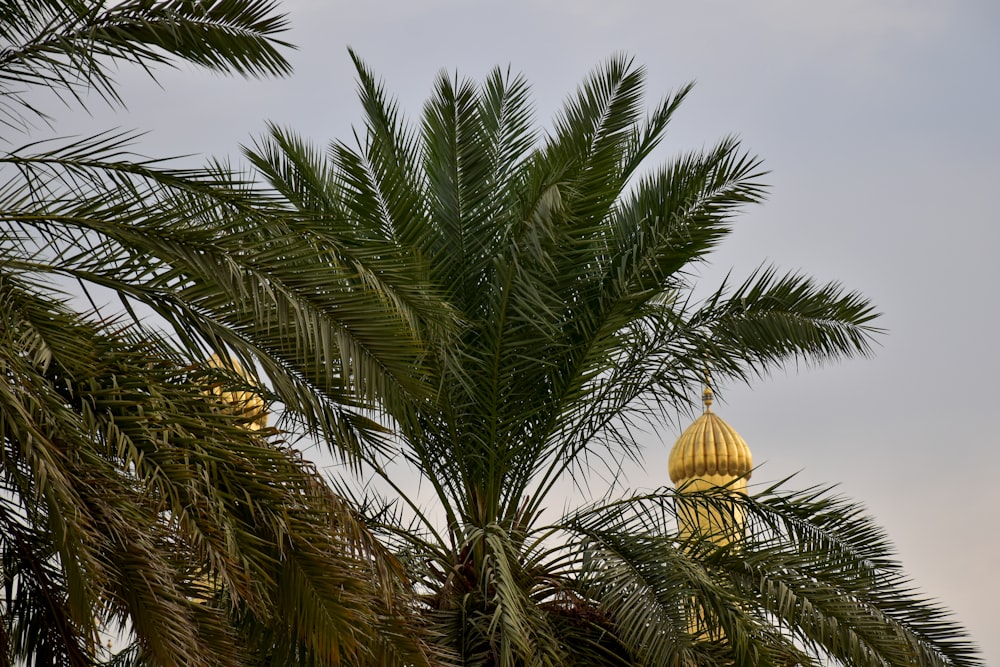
565	265
132	501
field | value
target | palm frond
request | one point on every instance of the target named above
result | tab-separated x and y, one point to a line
812	573
68	45
769	319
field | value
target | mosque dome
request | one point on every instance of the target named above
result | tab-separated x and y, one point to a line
710	450
245	403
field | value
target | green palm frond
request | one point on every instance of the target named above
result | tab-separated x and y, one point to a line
388	174
590	141
179	242
771	317
69	46
144	491
813	576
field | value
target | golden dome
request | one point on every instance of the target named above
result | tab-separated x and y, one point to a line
709	449
246	403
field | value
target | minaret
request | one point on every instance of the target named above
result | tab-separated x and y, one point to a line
709	454
249	405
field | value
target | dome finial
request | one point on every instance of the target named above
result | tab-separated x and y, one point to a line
708	396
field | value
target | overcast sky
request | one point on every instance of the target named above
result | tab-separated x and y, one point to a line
879	122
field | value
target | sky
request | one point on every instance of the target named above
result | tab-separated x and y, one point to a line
878	121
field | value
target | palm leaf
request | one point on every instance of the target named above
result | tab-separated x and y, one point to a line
68	45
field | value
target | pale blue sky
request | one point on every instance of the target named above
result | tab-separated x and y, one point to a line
878	120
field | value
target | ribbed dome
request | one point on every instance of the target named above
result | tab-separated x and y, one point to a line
709	448
246	403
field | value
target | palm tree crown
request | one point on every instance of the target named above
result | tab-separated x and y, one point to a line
561	266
